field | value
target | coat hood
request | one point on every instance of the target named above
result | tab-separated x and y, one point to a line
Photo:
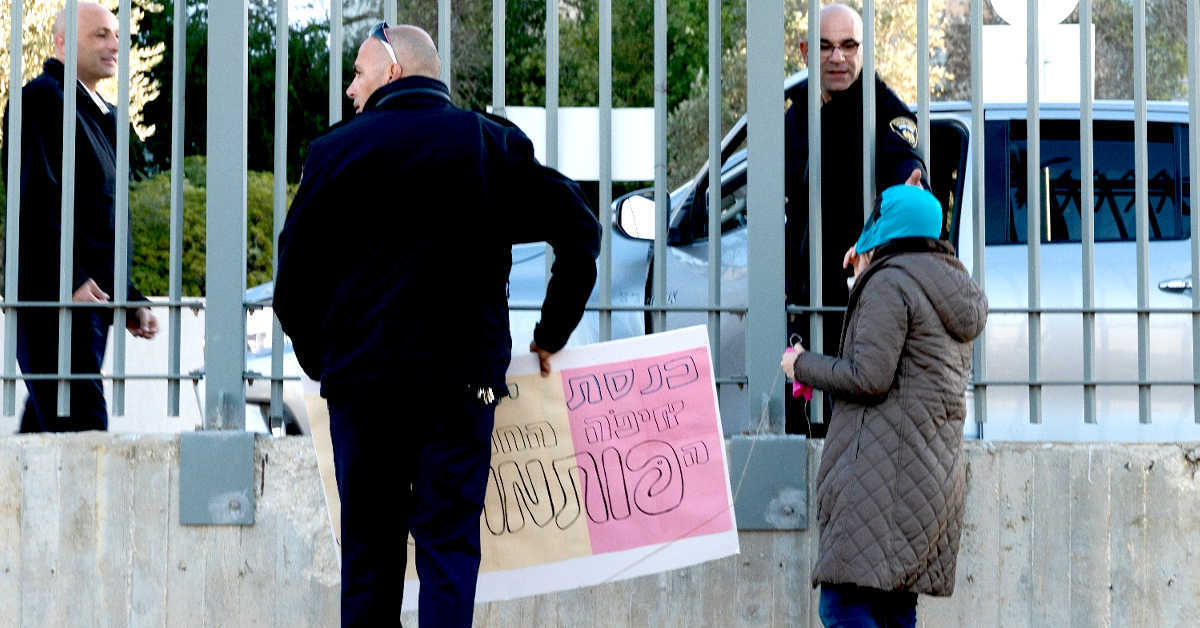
958	300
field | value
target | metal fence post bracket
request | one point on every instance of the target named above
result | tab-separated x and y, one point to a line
216	478
769	477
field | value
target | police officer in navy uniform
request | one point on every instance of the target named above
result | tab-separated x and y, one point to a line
897	161
393	270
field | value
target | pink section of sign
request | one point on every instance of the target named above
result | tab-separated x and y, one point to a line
648	450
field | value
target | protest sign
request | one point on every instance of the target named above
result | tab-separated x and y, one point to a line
612	467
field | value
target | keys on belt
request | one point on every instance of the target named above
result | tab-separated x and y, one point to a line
485	395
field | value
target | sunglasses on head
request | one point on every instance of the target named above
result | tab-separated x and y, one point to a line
379	32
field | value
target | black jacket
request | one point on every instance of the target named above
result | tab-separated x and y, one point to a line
41	189
841	181
395	256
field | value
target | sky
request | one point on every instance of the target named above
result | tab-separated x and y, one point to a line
303	11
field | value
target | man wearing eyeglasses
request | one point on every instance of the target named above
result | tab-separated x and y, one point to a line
897	161
393	270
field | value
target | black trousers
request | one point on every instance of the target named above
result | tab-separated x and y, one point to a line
419	467
37	353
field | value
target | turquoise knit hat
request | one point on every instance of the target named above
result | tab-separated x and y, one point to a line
905	211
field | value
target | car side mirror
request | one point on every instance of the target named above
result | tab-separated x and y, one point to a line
635	215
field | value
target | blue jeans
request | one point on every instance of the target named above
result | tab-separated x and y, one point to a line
410	466
852	606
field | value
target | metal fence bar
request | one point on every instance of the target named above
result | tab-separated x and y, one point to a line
1194	179
714	182
979	220
105	305
225	237
662	201
1033	214
66	245
336	34
389	12
175	279
604	208
1142	205
1087	199
627	307
551	101
923	82
766	327
498	46
101	376
868	110
1094	310
12	141
275	410
445	24
816	284
121	209
1082	382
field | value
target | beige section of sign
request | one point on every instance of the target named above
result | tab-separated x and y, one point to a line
510	536
521	541
318	424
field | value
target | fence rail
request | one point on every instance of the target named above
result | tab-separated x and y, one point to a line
766	313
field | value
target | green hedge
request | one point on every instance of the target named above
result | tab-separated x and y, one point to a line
150	221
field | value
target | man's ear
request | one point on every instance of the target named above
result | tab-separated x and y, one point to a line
395	72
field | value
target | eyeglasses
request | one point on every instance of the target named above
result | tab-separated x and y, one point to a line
379	32
848	47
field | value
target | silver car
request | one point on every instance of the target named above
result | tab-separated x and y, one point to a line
1007	347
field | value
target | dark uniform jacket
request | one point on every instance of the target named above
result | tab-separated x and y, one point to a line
841	181
41	189
395	256
890	487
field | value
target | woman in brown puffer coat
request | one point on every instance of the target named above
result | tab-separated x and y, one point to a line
890	486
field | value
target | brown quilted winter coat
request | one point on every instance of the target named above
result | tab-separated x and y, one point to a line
890	486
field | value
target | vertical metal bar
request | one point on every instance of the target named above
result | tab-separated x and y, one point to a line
767	324
335	61
1194	179
815	233
923	81
498	46
868	109
175	291
605	201
12	237
1142	208
121	209
979	206
444	46
662	201
1087	200
66	244
225	240
1033	206
280	198
389	11
714	181
551	100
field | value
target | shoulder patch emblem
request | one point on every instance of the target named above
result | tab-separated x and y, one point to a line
905	128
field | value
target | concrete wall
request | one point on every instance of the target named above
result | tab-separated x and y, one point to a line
89	536
1055	535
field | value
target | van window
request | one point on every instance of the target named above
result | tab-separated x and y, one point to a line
1059	183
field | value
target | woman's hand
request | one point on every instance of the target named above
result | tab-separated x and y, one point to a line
788	361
